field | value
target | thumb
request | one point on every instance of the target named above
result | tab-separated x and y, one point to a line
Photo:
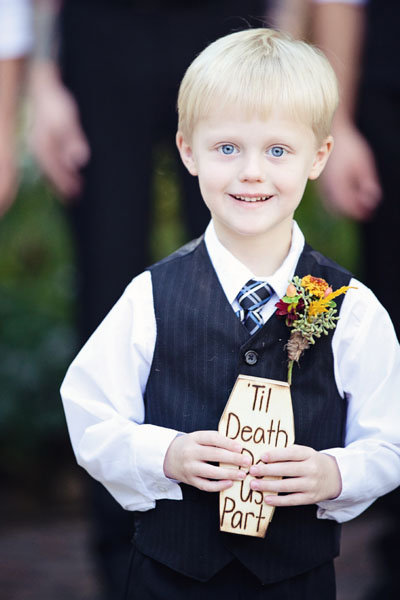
76	149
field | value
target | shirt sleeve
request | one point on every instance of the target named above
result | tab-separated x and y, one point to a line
16	28
102	395
367	371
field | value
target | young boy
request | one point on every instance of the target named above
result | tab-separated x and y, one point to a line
144	397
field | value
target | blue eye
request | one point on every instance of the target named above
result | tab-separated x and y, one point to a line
277	151
227	149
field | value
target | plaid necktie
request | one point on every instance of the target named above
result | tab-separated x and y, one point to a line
252	298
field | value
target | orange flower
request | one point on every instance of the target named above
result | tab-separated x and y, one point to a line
315	285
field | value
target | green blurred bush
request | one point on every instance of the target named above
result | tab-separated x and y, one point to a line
37	336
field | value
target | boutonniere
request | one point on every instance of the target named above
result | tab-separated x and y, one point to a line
310	311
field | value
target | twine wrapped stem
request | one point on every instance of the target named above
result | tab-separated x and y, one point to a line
295	348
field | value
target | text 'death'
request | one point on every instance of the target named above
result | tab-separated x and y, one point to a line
259	415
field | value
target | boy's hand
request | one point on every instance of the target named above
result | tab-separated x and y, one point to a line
188	460
309	476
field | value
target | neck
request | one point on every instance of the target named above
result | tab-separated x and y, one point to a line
262	255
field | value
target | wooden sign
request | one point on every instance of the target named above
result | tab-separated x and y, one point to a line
259	415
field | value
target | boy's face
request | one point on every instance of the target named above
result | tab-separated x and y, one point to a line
252	173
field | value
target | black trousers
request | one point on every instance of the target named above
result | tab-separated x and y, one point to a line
151	580
379	120
123	65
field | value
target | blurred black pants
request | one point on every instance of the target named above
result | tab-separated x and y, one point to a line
379	120
124	66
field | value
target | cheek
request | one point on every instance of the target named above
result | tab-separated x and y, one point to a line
293	181
212	178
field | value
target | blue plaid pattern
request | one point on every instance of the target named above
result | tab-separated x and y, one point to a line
252	298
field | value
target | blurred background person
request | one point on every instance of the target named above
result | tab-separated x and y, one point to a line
16	39
104	84
100	97
361	38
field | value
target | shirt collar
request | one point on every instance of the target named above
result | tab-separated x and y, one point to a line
233	274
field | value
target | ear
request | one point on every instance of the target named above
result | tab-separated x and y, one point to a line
186	153
321	158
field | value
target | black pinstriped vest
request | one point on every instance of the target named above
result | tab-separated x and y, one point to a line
200	350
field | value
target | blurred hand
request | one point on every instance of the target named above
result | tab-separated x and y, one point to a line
8	166
57	139
350	184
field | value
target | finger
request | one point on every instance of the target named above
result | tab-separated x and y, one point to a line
213	454
280	486
214	438
371	191
368	202
67	183
280	469
76	151
294	452
8	190
207	485
213	472
289	500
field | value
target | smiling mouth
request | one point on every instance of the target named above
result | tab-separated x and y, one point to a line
250	198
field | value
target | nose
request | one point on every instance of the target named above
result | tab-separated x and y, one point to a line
253	168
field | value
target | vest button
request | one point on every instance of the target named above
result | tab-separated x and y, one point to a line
251	357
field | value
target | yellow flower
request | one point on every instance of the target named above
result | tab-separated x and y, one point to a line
321	306
339	292
317	307
315	285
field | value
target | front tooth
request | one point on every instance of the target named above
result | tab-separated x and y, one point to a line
246	199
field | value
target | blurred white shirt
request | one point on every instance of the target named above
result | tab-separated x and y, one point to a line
16	28
103	392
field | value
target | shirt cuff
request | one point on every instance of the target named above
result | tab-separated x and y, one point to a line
152	443
346	506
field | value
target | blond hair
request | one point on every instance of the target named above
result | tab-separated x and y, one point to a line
259	70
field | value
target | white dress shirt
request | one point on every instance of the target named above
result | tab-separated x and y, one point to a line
16	28
104	386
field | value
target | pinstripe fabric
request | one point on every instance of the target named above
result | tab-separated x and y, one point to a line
200	350
252	297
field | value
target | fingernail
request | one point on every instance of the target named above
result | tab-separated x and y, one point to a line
264	458
242	475
254	485
246	461
253	470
